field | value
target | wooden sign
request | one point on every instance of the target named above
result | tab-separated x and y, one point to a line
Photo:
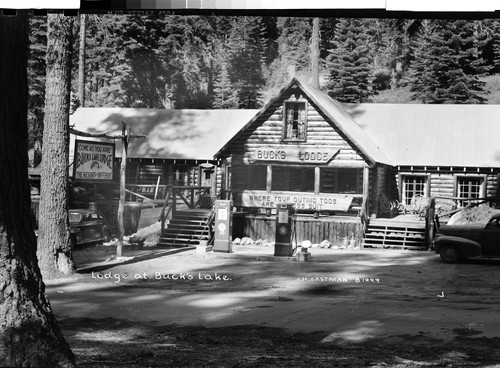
301	201
296	153
93	160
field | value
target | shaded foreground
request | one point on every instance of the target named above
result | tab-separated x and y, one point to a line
114	343
416	311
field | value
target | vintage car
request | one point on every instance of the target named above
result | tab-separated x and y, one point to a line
88	226
457	242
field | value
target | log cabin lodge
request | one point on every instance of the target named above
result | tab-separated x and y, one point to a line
338	164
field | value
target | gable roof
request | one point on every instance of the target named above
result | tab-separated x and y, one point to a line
433	135
334	111
396	134
170	134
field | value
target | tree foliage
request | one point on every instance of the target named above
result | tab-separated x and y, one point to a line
351	62
36	81
225	97
157	60
448	64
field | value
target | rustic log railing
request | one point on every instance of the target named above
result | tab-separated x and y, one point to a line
208	224
192	196
150	191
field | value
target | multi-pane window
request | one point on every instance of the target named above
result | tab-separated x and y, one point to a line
257	177
294	179
346	181
413	186
469	187
295	120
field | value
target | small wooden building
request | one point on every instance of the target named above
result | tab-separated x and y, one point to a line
178	150
449	152
304	149
179	147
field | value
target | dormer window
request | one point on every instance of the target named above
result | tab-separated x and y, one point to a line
295	120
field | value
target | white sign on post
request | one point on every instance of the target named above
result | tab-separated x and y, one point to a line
93	160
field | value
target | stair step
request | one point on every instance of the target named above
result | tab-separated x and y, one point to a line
192	214
185	231
177	243
184	237
177	220
394	234
187	226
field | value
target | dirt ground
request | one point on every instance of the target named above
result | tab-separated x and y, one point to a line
345	308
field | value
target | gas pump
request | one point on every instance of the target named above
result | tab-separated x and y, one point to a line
223	226
283	244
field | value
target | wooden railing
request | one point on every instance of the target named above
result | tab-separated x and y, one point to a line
147	191
192	196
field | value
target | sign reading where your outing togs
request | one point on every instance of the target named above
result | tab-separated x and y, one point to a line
94	161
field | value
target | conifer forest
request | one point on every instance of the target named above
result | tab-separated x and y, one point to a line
159	60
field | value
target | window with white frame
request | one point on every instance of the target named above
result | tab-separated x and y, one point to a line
295	120
468	188
413	186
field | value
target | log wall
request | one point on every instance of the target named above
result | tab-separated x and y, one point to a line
268	130
315	230
443	184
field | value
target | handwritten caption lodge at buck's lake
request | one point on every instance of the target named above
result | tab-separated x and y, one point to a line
118	277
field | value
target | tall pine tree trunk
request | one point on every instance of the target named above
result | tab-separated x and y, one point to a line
81	61
29	335
54	248
315	53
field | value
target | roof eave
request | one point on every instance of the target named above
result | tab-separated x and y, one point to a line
258	115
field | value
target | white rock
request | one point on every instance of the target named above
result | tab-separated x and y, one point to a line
306	244
325	244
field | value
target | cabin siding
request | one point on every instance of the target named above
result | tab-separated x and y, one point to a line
315	230
443	184
267	130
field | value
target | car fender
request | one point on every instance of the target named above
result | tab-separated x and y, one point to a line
467	247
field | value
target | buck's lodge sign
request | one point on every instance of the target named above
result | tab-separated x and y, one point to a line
293	154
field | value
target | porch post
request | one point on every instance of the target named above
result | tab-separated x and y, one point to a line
366	193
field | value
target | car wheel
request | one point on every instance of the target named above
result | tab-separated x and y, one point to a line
449	254
106	235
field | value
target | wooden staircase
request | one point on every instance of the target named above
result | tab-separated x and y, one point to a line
391	233
185	229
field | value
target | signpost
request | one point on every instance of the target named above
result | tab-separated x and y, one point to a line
94	157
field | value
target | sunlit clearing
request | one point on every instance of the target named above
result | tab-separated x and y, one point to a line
146	298
213	301
364	331
106	336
